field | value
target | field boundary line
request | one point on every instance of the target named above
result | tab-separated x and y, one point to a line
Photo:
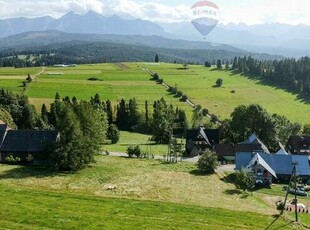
26	89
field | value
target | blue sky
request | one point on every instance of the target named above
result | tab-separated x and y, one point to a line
246	11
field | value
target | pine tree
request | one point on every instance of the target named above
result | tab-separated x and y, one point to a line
109	111
156	58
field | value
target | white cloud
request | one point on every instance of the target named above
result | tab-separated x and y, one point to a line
247	11
262	11
54	8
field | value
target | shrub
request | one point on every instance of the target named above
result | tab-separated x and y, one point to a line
244	180
205	112
12	160
29	79
184	98
113	134
179	93
29	158
207	163
219	82
25	83
160	81
214	118
134	151
155	77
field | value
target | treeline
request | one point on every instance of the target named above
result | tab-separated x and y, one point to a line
16	62
80	52
23	114
289	73
159	119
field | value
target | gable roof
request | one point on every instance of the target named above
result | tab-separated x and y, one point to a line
258	160
281	164
211	136
282	150
27	140
253	139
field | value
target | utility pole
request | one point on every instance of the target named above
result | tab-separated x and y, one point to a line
293	176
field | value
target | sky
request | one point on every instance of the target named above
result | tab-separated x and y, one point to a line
236	11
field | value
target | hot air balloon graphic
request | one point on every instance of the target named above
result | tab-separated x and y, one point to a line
205	16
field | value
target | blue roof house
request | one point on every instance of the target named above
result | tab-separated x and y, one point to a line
267	166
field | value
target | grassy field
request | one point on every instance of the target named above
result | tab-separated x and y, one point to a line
144	141
198	83
117	81
150	194
114	83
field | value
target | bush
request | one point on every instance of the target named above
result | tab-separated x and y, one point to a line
205	112
29	79
134	151
155	77
29	158
214	118
113	134
160	81
184	98
12	160
244	180
207	163
219	82
179	93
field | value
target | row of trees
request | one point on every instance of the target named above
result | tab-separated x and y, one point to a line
290	73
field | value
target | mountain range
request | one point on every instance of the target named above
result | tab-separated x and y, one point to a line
275	38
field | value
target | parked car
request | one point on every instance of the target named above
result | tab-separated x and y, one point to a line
299	192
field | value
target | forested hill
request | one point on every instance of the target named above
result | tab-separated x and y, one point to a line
40	38
97	52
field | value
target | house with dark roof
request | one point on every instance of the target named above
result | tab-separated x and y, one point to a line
267	167
200	140
299	145
28	145
226	152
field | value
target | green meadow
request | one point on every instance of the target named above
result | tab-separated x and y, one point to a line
128	80
198	83
144	141
148	194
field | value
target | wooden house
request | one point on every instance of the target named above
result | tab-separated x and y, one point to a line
200	140
28	145
299	145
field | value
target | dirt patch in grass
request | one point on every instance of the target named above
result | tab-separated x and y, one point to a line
122	66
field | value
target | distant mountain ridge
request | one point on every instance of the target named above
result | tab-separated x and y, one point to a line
274	38
49	37
89	23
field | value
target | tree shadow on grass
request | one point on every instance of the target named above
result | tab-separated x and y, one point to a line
20	172
276	217
229	178
232	192
197	172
